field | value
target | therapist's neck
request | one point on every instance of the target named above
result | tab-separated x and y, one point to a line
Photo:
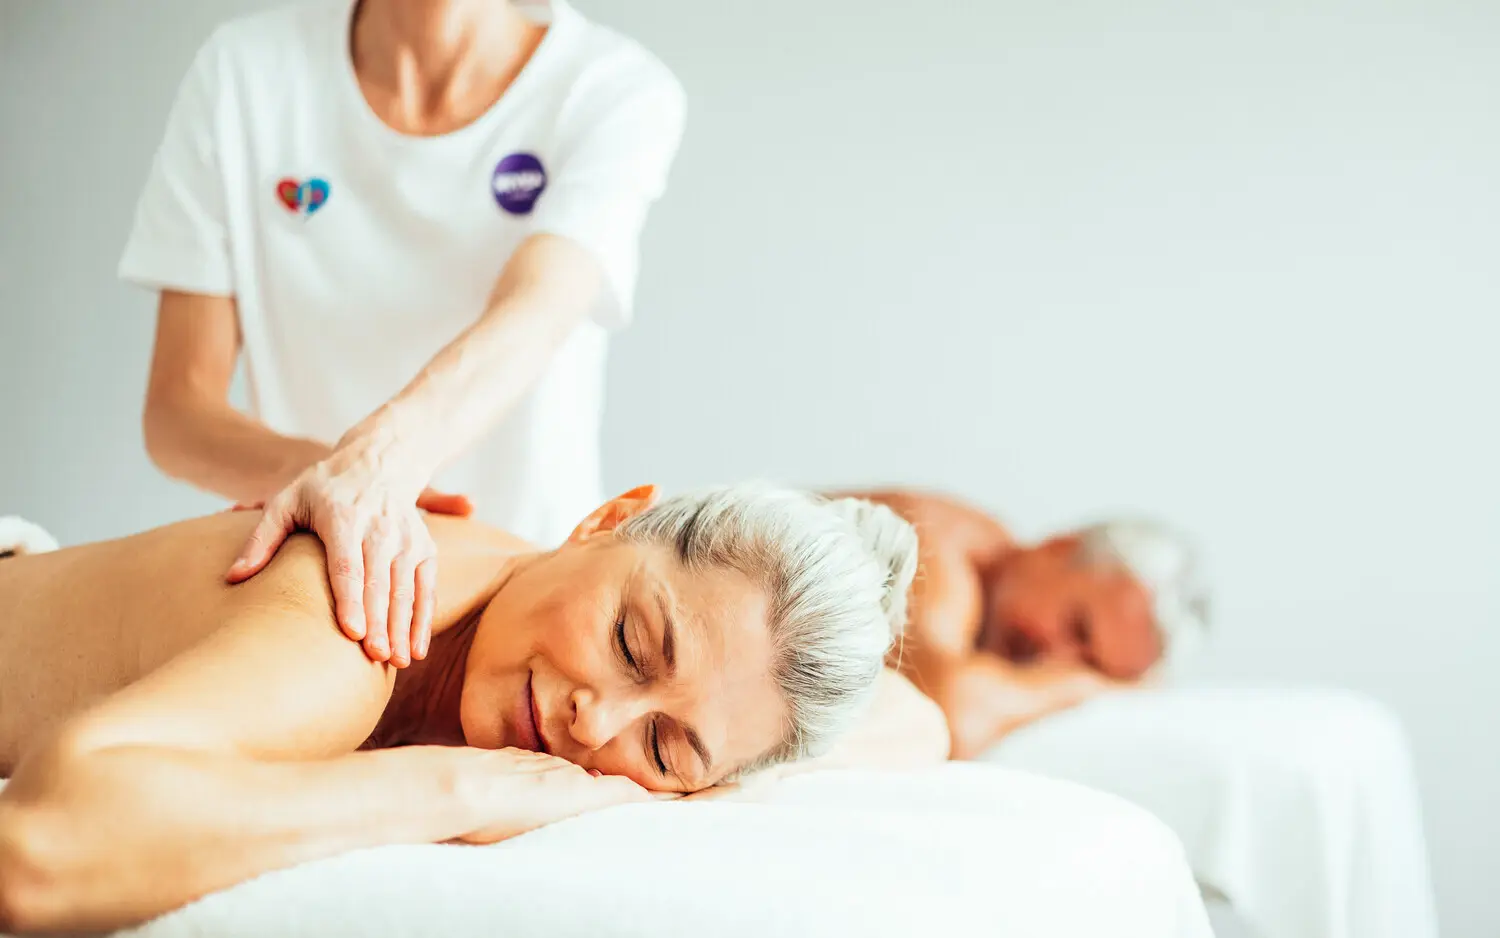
427	64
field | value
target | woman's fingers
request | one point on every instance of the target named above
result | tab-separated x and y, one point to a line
617	789
275	524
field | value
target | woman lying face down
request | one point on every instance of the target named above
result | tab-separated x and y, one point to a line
683	644
170	736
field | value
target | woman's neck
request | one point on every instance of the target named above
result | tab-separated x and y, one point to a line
431	66
425	703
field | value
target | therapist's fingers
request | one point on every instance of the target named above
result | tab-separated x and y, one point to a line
403	596
424	602
378	559
346	576
275	524
442	503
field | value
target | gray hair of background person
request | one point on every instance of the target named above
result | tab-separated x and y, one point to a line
836	573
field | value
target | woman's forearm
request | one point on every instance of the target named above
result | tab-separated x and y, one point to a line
118	836
987	698
216	448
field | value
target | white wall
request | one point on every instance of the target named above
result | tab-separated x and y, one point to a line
1239	267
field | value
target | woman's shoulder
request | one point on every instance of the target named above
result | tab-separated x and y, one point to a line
459	536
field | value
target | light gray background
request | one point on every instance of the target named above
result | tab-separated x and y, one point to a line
1237	265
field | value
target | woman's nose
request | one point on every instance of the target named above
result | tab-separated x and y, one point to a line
599	718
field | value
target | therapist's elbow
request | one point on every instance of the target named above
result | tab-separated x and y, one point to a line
162	420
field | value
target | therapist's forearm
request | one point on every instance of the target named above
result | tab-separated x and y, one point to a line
112	838
216	448
544	292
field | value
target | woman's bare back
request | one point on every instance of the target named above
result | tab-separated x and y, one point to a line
79	624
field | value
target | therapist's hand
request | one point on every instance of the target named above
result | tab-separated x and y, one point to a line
431	501
382	562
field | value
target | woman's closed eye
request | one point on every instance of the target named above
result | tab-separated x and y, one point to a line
635	664
622	645
653	746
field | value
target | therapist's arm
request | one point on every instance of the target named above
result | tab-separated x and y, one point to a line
381	558
192	433
547	288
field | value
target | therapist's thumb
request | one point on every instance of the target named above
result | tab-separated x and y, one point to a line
275	524
442	503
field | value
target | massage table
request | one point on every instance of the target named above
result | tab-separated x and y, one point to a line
1298	806
962	850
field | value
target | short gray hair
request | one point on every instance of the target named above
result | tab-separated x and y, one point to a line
1169	566
836	573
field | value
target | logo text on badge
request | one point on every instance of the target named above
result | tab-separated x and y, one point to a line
518	182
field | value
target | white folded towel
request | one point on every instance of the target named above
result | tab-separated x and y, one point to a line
19	536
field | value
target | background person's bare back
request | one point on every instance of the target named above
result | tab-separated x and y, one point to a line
81	623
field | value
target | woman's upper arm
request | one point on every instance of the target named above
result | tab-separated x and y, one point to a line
276	681
197	342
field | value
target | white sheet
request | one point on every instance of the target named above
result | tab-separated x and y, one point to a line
958	850
19	536
1299	805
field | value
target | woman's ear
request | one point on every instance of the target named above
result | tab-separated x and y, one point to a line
615	512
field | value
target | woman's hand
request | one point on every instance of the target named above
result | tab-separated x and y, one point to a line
382	562
987	698
512	791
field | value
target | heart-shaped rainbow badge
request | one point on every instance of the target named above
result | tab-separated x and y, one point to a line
304	198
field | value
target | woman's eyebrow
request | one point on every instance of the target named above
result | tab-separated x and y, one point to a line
668	631
696	741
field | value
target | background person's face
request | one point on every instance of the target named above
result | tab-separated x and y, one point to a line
612	656
1046	604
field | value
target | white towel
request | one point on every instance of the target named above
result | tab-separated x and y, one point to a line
19	536
950	850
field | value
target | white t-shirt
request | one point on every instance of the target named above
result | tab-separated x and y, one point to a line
355	252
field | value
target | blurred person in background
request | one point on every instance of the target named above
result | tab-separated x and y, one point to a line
1065	657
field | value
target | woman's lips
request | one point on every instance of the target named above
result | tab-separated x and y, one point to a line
525	720
536	720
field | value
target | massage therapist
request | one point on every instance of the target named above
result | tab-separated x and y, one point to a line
418	220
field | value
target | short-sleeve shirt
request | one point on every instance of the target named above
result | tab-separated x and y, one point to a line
355	253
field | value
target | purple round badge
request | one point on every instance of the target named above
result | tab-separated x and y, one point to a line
518	181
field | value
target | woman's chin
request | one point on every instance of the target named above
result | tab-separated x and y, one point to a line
480	723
